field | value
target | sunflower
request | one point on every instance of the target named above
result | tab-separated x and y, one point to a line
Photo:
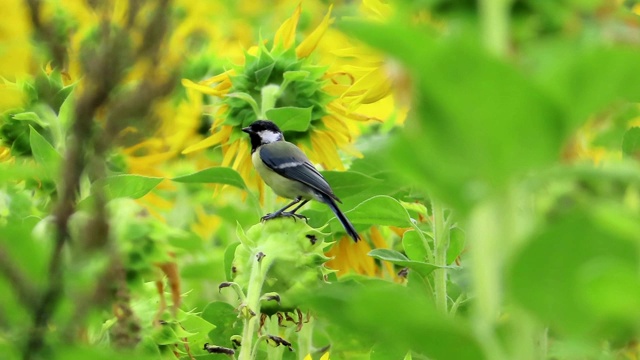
348	256
15	54
316	105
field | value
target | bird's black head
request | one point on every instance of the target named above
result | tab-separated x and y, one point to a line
263	132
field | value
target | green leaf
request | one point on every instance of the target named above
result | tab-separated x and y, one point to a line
349	183
579	273
18	171
184	240
413	246
587	81
30	116
224	317
631	142
380	210
468	141
127	185
66	109
164	335
397	258
183	333
146	350
31	250
382	351
456	244
44	152
263	74
242	236
197	326
395	317
295	75
214	175
229	254
247	98
291	118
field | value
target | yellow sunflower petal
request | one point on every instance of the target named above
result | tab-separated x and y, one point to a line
309	44
222	77
157	201
206	224
286	34
215	139
230	153
338	129
149	143
10	96
204	89
367	265
243	150
378	9
364	55
5	153
325	151
338	109
370	88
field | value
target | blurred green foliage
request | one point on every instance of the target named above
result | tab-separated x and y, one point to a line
514	244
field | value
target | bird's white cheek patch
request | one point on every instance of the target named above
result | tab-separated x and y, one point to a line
268	136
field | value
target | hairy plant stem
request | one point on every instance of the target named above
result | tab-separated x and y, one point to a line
252	304
441	236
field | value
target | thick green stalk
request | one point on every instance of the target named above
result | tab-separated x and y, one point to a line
487	241
494	18
441	244
273	328
254	291
491	223
270	95
305	340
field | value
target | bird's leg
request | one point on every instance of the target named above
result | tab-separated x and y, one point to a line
293	212
299	206
282	212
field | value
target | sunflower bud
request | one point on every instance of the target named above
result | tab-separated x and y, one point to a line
283	245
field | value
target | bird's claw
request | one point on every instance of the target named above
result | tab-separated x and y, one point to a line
284	214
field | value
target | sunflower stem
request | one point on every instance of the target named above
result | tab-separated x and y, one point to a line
441	244
252	304
494	18
490	223
270	95
305	340
273	328
488	239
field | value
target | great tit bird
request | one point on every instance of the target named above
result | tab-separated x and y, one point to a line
289	173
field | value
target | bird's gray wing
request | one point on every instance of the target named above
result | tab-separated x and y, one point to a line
289	161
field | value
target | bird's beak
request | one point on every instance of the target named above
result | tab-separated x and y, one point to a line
247	130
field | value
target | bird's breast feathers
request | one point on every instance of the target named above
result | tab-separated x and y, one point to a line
279	184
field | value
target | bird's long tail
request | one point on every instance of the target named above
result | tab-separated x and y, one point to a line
348	227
